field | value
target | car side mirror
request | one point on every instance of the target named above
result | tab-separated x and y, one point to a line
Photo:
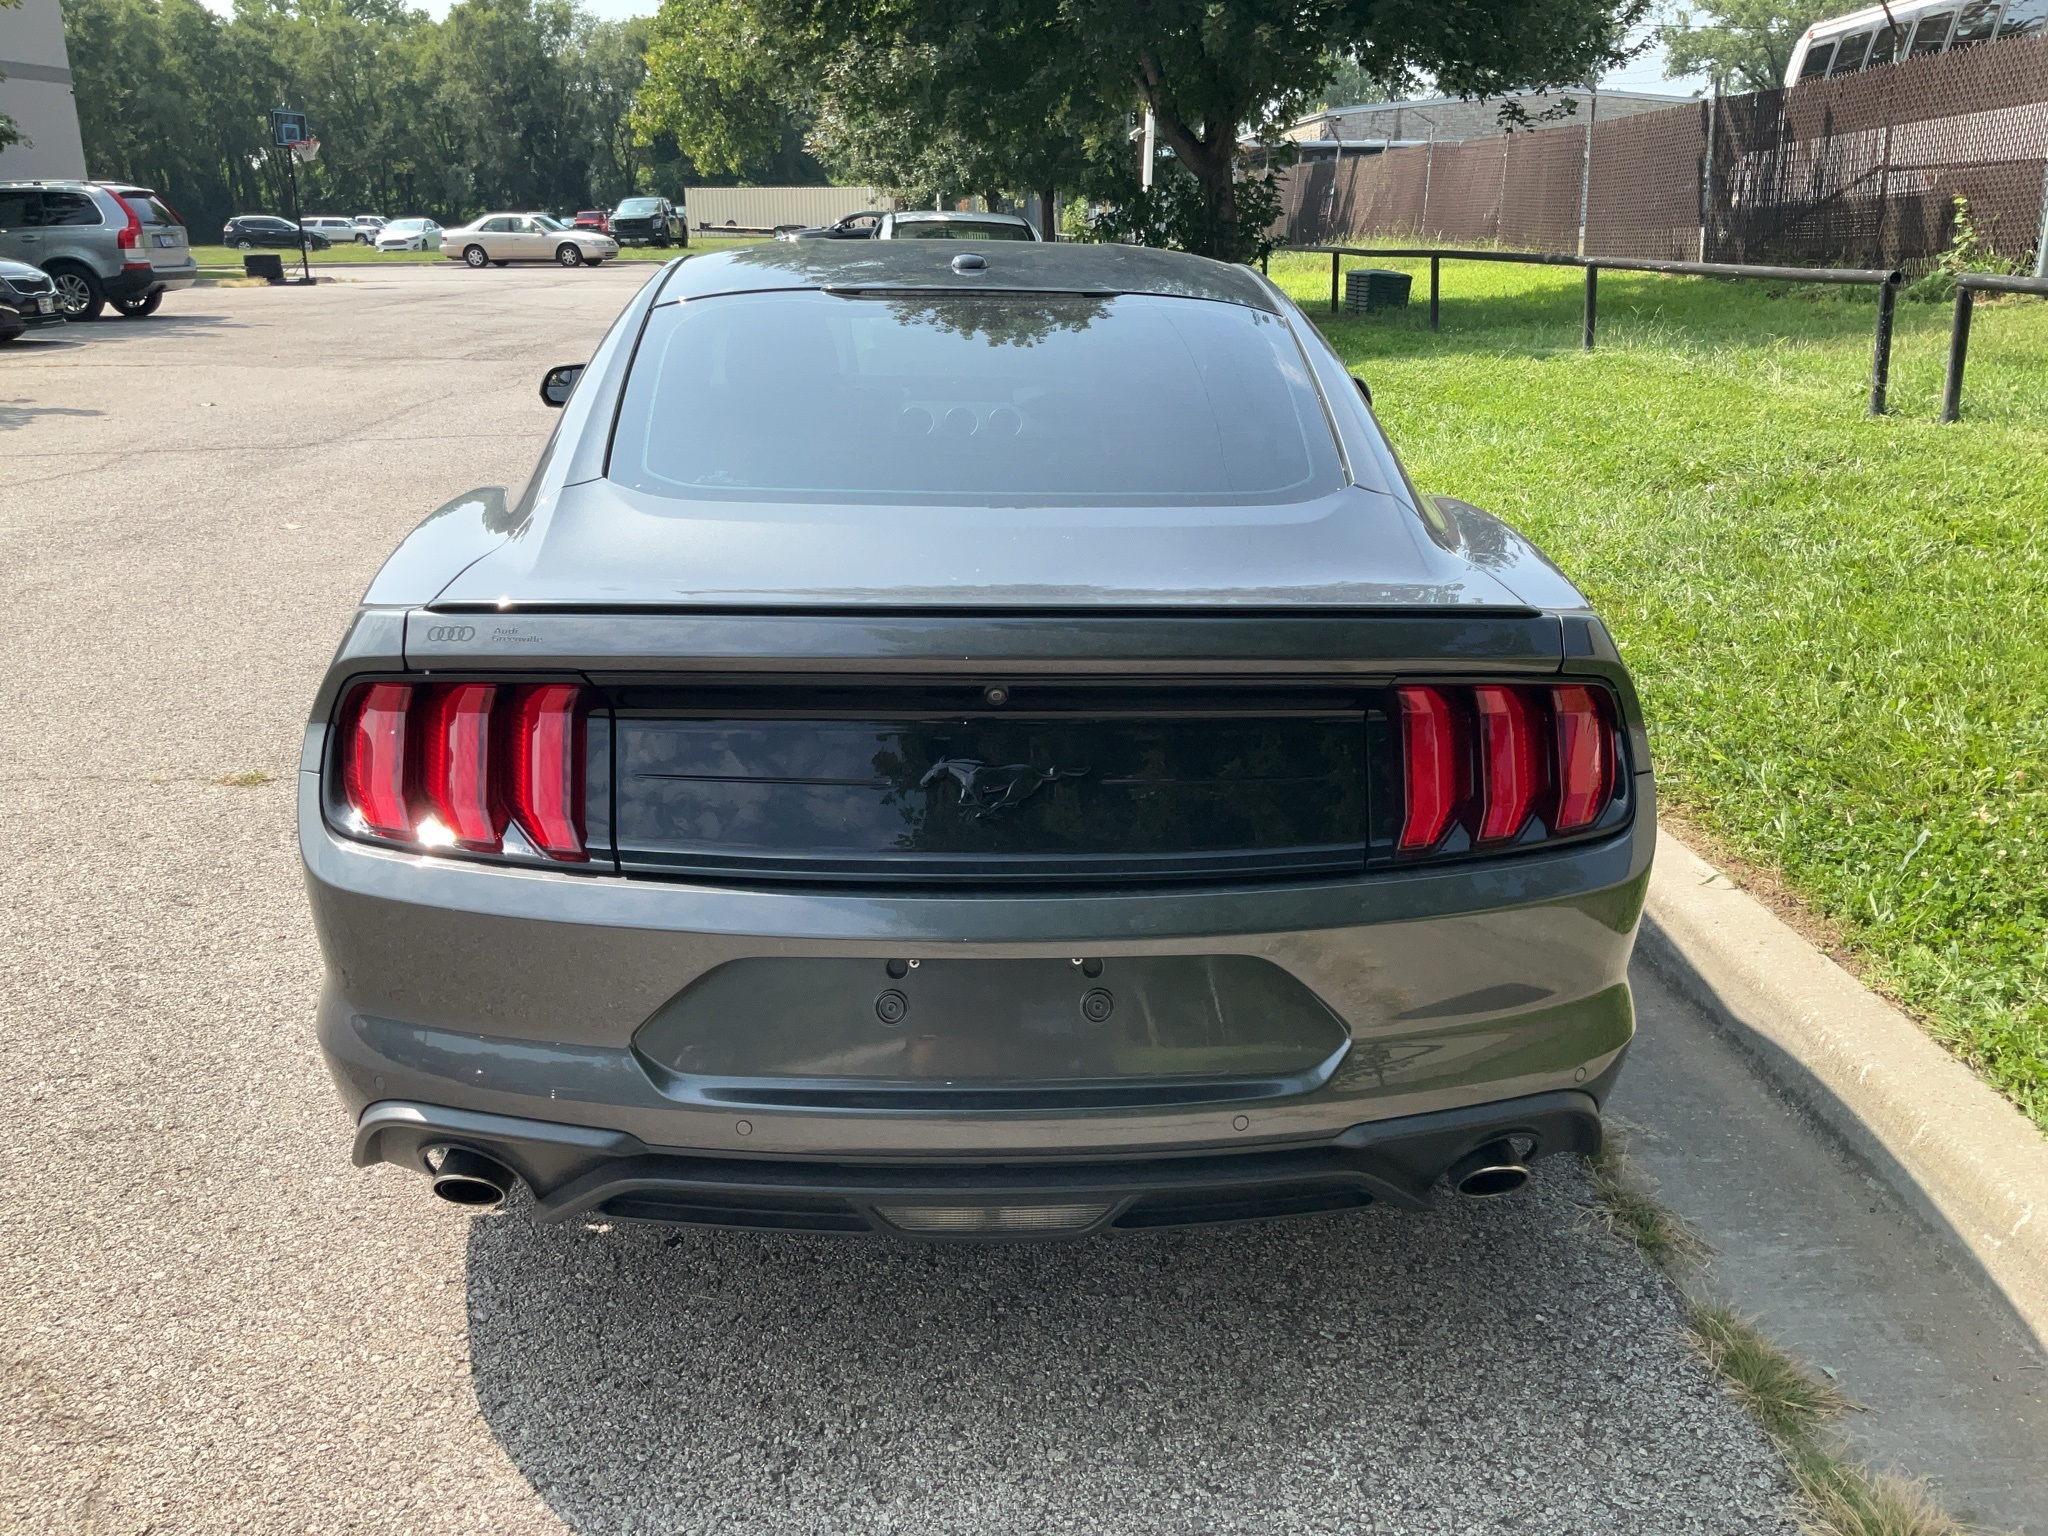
559	382
1364	389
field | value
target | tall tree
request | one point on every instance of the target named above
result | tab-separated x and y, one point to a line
1740	45
1211	71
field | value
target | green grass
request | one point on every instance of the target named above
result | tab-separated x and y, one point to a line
1839	624
1793	1405
363	255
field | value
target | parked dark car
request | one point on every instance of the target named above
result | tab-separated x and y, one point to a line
853	226
649	221
971	742
251	231
28	300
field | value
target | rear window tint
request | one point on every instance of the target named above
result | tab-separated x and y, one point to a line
958	229
70	208
995	399
148	209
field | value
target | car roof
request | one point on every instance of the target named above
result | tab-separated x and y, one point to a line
1017	266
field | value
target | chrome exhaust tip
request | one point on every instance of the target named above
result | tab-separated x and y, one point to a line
463	1177
1489	1172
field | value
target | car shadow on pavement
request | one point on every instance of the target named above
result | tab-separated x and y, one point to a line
113	330
1505	1366
19	413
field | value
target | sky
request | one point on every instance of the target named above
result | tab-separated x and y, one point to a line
1643	74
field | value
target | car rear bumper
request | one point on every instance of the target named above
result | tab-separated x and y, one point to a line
134	282
529	994
581	1171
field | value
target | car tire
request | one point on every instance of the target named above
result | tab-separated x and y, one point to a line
79	293
245	245
594	261
142	308
569	255
474	256
505	263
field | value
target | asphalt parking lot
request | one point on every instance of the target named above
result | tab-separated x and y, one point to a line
214	1323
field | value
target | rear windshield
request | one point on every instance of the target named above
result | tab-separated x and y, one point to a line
148	209
959	229
993	399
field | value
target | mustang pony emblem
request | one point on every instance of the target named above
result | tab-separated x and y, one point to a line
987	788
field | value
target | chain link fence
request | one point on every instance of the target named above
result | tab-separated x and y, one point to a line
1859	171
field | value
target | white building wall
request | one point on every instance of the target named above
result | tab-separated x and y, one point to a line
36	93
767	207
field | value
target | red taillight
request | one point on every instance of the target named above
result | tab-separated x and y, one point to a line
130	239
452	764
455	764
1511	755
1585	758
373	759
1542	754
1429	744
547	768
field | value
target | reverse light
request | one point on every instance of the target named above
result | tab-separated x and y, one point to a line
454	765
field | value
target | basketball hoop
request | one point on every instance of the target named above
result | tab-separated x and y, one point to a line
307	150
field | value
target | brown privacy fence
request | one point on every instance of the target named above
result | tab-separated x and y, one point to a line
1861	171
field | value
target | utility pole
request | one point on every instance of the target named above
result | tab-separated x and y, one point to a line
1145	165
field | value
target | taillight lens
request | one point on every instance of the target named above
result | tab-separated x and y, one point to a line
547	769
1430	750
455	764
1511	759
1585	756
1507	764
130	239
455	767
373	758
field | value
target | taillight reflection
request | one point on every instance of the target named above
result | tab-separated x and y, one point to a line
457	764
1508	764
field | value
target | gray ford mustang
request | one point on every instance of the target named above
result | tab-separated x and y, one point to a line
971	744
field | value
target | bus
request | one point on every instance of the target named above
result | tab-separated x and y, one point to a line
1912	29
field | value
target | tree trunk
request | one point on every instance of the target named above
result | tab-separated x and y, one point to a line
1210	157
1048	226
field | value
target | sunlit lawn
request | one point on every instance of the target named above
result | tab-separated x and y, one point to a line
1839	624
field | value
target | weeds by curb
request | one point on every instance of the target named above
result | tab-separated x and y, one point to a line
1838	1497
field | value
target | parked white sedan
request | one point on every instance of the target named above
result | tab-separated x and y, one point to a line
409	235
497	239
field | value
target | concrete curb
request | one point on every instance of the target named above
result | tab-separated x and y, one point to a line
1923	1121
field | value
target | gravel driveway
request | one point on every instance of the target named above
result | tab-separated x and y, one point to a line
213	1323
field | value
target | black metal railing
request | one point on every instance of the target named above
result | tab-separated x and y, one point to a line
1885	281
1968	286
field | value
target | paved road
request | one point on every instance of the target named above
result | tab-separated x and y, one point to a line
213	1323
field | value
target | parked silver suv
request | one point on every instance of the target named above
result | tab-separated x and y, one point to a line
102	243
